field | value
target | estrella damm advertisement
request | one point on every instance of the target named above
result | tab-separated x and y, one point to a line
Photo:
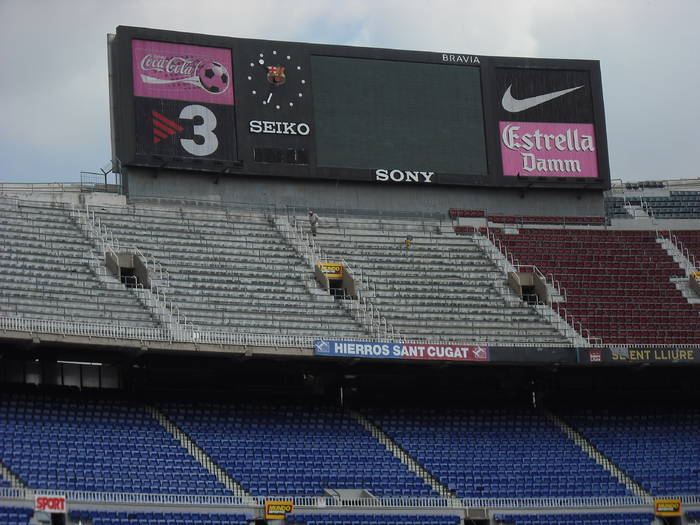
277	510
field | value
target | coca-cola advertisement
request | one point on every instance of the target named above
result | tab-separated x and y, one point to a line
543	149
182	72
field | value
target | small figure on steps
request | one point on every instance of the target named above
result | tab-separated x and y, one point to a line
313	221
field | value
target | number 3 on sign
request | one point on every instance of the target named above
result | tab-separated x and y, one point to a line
205	130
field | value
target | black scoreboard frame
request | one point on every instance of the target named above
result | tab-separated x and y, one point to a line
294	154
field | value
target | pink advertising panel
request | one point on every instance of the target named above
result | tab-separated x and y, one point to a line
182	72
544	149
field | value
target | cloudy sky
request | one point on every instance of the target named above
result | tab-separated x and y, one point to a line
55	112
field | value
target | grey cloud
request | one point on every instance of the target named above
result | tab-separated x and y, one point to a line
53	58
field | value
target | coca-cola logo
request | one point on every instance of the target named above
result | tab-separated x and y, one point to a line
182	72
172	65
213	77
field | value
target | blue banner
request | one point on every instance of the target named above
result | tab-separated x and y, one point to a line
389	350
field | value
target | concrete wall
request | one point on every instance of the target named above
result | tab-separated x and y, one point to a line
516	280
141	271
644	223
323	194
694	285
60	194
112	264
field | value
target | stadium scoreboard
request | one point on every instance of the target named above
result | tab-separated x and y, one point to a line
266	108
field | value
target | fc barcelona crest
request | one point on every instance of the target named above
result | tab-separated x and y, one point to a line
276	75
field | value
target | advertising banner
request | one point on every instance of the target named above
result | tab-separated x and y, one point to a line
182	72
50	503
277	510
667	507
172	128
539	93
626	355
540	149
331	270
505	354
405	351
533	355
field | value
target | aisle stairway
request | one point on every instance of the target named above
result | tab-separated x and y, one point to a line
441	288
231	271
47	271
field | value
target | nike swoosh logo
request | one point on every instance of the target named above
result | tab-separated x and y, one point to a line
516	106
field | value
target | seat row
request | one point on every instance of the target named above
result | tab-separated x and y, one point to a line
304	449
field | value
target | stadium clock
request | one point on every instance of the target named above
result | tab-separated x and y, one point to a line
276	80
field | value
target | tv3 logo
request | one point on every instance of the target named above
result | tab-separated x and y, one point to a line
164	127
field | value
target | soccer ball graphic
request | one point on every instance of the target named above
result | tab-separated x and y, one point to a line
214	77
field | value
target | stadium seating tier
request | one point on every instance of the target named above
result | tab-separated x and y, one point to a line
15	515
497	453
439	287
371	519
231	271
626	518
659	448
158	518
93	444
295	450
618	283
46	271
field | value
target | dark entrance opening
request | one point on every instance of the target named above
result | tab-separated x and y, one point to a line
128	277
335	287
530	295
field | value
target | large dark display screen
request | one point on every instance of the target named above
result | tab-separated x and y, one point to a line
241	107
381	113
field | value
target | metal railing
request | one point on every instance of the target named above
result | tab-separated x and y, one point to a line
154	268
94	181
509	257
79	328
369	315
155	297
39	188
186	334
364	307
95	230
570	320
669	235
549	280
196	336
304	241
643	207
361	306
328	502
